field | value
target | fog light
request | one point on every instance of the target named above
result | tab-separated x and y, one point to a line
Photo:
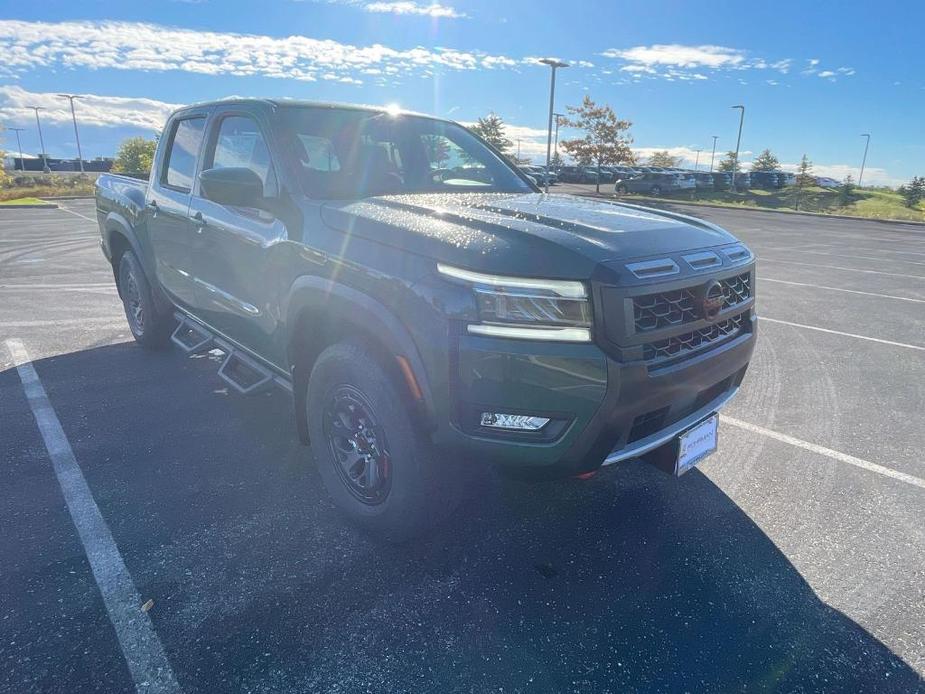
515	422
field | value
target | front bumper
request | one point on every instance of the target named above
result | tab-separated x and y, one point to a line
603	410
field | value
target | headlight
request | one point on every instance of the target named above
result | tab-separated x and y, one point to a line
524	308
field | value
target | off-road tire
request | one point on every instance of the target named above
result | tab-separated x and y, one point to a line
416	497
150	328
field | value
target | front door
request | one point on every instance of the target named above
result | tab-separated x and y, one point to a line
237	287
172	237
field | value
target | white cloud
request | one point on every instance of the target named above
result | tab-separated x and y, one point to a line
435	9
826	73
677	55
142	46
91	109
872	175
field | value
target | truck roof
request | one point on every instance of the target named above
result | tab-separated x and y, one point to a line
284	102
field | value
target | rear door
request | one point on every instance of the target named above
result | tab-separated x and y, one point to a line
238	292
173	239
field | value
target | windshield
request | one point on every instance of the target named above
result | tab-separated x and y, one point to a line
351	153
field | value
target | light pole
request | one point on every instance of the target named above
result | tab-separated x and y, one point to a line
554	64
22	162
71	97
735	162
697	160
864	160
713	155
38	124
555	146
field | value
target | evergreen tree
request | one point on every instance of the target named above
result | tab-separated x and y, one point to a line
491	129
766	162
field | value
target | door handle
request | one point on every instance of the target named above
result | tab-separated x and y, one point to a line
200	222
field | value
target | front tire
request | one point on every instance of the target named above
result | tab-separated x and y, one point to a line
621	190
656	190
150	328
380	472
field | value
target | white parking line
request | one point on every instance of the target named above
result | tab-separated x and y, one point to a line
83	216
765	259
840	289
839	332
141	647
69	322
828	452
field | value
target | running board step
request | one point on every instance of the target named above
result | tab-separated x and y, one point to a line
243	373
191	337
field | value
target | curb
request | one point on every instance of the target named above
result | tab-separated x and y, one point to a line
70	197
648	201
46	206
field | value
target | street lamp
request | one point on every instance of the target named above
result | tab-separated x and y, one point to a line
38	124
554	64
555	146
864	160
71	97
735	163
713	155
22	162
697	161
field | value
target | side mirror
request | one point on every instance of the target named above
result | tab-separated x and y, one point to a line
232	185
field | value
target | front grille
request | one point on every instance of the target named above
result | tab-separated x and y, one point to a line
676	307
685	343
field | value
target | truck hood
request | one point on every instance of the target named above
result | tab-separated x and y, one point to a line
531	234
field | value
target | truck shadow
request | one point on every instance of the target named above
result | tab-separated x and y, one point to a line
631	581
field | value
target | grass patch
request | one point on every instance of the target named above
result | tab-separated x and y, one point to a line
23	201
27	185
866	203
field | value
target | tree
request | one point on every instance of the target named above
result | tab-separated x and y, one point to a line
766	162
491	129
136	155
605	140
664	159
913	192
845	190
805	178
729	163
556	162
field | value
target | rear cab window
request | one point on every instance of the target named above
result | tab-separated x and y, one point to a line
179	165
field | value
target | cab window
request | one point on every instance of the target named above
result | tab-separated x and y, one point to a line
239	143
180	163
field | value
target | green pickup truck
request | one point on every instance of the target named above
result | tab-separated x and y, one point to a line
427	307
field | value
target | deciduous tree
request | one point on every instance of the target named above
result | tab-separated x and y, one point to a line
135	155
606	139
664	159
729	163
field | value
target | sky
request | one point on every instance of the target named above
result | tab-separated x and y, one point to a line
812	76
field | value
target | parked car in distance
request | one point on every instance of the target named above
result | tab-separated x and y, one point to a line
592	175
787	179
703	180
577	174
825	182
538	174
722	180
743	180
426	309
655	184
766	180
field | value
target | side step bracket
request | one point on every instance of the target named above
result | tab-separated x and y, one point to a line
243	373
191	337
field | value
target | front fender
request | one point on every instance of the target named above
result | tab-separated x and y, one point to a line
365	314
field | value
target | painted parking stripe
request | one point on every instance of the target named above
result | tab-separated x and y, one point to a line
765	259
141	647
827	452
761	278
844	334
67	209
765	319
114	322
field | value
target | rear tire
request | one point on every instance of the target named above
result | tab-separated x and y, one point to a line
656	190
381	473
150	328
621	190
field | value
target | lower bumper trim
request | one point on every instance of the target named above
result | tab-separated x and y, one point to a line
653	441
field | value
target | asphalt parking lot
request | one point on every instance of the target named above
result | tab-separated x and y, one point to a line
791	560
